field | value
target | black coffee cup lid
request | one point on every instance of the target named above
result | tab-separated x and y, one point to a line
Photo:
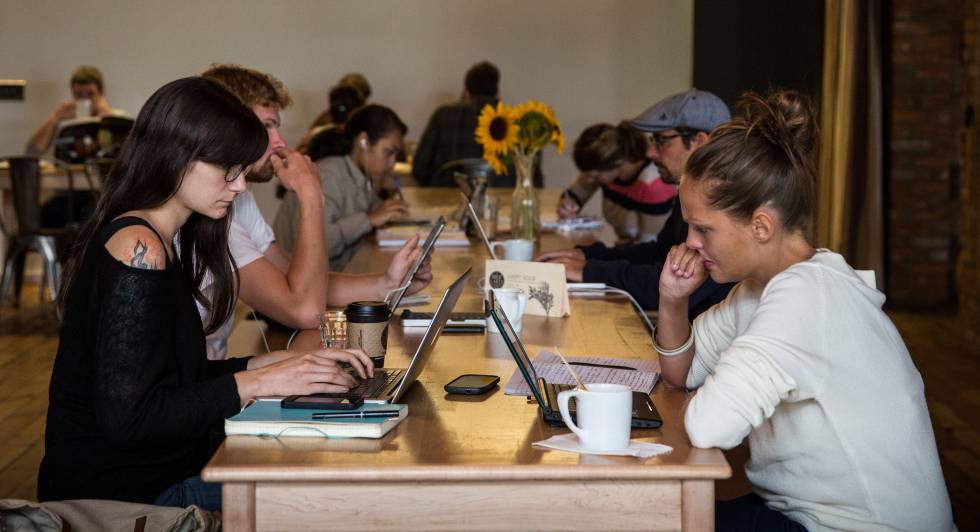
366	311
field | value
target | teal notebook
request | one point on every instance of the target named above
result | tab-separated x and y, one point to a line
266	418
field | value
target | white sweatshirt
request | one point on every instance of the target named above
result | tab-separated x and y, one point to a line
816	375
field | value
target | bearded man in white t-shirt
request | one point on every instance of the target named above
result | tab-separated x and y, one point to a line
292	290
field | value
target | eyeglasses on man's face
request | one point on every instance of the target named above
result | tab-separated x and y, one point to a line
660	139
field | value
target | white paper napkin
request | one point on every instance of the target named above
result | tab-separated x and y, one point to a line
569	442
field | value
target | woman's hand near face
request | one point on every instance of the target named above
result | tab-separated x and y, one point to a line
682	273
302	373
392	209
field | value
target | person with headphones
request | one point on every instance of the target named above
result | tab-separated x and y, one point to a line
351	184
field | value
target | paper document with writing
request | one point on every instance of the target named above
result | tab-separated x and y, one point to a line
267	418
542	282
641	375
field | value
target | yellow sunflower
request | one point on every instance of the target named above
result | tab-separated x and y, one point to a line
539	107
496	129
538	125
495	162
558	138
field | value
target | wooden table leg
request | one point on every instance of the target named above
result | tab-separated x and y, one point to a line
238	506
698	505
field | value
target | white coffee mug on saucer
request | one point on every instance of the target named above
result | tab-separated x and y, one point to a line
515	249
603	415
513	302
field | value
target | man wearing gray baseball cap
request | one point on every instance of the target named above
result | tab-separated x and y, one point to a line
678	125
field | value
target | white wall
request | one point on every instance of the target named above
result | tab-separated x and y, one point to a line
591	60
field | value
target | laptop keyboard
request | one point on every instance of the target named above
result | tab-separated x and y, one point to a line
373	387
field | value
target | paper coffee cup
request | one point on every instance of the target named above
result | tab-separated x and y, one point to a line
367	329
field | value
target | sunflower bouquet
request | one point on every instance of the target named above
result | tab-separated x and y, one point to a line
508	132
514	135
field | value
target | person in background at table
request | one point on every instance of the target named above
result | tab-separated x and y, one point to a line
799	358
359	83
133	398
635	201
350	186
291	287
343	100
678	125
87	90
449	134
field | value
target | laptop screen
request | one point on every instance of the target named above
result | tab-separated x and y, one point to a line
426	346
430	241
517	350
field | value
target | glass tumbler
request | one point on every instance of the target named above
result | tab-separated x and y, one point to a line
333	329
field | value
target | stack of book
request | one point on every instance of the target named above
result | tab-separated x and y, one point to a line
266	418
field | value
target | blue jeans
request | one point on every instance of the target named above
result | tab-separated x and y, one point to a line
193	491
749	513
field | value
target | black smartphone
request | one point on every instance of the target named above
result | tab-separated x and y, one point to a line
472	384
322	401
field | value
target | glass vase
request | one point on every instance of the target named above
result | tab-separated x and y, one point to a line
525	217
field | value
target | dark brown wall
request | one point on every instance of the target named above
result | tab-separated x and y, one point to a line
923	79
968	268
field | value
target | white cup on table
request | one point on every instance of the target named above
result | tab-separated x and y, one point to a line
515	249
512	301
603	415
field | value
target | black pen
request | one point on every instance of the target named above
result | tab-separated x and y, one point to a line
593	365
356	415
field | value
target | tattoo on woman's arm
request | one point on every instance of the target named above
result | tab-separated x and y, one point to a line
139	254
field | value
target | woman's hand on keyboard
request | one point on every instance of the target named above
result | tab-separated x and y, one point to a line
321	371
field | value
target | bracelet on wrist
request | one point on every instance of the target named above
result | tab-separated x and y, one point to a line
664	352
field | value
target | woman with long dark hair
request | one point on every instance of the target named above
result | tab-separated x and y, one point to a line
134	402
800	358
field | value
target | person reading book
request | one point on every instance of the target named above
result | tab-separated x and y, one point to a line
799	358
351	185
134	401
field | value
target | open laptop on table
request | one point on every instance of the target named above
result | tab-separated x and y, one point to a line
461	321
389	385
645	415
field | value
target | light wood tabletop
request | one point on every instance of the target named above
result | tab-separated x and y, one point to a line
466	462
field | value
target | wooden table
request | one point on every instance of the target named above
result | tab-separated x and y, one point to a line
466	463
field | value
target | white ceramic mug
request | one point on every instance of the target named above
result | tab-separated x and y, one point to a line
516	249
603	414
83	108
513	302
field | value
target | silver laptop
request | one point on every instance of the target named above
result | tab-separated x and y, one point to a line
389	385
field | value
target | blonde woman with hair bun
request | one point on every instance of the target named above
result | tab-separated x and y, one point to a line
799	358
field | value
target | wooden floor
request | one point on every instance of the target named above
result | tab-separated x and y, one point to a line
949	365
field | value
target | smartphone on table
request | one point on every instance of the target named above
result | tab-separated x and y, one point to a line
322	401
472	384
